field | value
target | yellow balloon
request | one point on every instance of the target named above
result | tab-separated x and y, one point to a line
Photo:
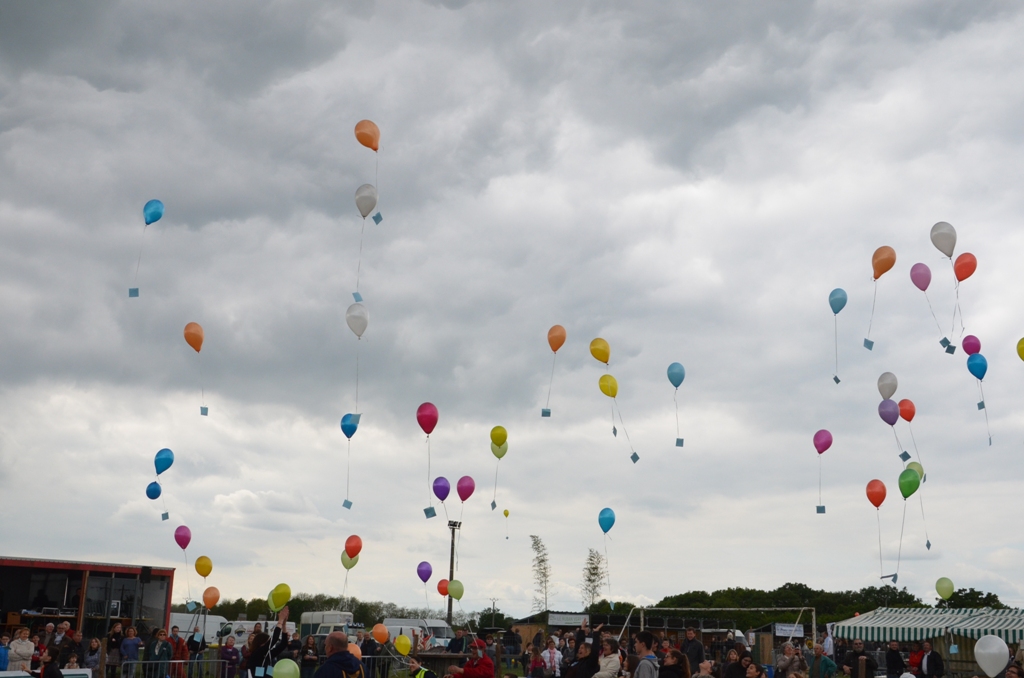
506	513
601	351
499	435
204	566
1020	349
608	385
403	645
279	597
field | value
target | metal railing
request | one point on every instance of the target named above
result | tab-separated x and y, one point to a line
196	668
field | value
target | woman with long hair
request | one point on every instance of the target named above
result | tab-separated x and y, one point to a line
114	638
309	658
265	648
91	660
674	664
243	666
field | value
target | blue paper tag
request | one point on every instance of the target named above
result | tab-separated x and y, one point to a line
679	442
981	405
925	479
928	544
270	670
868	344
204	411
904	457
347	504
615	432
357	296
133	292
259	672
377	218
954	649
835	379
821	509
429	512
545	412
494	505
944	342
635	457
355	419
190	606
951	349
165	516
198	637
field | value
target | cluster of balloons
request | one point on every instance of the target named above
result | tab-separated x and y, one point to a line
350	556
162	461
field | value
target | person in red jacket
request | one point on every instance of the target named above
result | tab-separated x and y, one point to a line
479	665
179	653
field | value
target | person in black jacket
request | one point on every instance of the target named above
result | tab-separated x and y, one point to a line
894	664
739	669
265	647
196	645
851	661
674	665
931	663
692	647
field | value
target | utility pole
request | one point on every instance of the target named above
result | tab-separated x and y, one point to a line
494	602
452	525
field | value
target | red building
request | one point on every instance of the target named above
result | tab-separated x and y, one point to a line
91	596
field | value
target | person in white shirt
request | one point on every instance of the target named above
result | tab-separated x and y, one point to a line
827	644
552	659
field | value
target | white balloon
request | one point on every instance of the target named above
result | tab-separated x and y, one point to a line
366	199
991	654
887	385
357	318
944	238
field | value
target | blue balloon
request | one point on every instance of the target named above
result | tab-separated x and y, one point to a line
153	490
349	424
676	374
977	365
606	518
164	459
837	300
153	210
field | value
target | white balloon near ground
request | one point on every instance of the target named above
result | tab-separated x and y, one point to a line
887	385
357	318
992	655
944	238
366	199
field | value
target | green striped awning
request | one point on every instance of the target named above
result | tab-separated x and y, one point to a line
1007	624
902	624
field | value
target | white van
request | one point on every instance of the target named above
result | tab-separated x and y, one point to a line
241	629
334	620
186	621
436	631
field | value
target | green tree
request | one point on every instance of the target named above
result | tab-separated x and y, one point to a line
541	573
594	573
969	598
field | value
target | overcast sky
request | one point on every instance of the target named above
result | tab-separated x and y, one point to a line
687	180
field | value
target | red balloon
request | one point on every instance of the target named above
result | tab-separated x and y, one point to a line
426	415
876	492
353	545
442	587
964	266
907	409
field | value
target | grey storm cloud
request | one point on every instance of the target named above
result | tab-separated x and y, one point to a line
687	180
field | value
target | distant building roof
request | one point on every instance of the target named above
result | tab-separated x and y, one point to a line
81	565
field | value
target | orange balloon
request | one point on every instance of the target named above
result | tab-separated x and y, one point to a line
354	649
907	409
882	260
194	336
380	633
442	587
876	492
210	597
556	337
368	134
965	266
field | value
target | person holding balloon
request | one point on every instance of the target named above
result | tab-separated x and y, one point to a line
266	647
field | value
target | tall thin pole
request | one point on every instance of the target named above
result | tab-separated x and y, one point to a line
451	568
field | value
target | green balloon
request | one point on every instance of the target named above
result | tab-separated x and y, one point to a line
455	589
270	602
917	467
279	597
286	668
499	450
944	587
347	562
909	482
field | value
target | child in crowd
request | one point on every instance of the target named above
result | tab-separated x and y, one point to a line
72	662
5	640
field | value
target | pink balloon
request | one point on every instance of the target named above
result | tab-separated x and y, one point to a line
426	415
921	276
822	441
183	536
971	344
466	487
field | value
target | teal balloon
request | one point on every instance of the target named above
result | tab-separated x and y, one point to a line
152	212
676	374
837	300
153	490
977	365
349	426
606	518
163	460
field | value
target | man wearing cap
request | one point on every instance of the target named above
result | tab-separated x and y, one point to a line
479	664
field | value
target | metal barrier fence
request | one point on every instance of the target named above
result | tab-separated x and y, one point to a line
198	668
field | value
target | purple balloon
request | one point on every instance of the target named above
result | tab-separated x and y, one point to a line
424	570
889	411
921	276
971	344
466	487
441	488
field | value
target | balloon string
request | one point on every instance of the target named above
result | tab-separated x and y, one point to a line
899	445
358	341
458	538
899	553
881	568
359	265
835	317
624	431
506	527
934	317
607	567
957	309
142	241
345	587
348	468
496	467
985	410
675	399
923	519
916	453
613	416
547	404
202	389
871	320
819	480
430	496
188	581
425	598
